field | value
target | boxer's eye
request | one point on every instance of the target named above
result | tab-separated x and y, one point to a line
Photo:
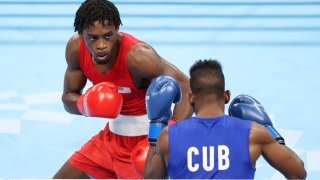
108	36
92	38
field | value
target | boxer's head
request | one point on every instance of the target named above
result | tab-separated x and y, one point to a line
207	82
91	11
98	22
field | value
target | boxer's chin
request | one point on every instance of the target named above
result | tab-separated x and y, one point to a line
102	59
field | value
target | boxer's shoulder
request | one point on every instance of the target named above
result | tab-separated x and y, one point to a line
140	52
259	134
72	51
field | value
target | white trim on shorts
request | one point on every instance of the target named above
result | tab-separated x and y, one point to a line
130	125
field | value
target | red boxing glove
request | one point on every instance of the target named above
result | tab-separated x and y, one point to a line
101	100
140	151
80	102
139	155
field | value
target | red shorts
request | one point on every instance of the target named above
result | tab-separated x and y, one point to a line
107	155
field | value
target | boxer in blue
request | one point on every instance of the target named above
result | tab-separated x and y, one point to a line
212	145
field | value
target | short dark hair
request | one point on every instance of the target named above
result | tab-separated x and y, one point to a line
207	79
91	11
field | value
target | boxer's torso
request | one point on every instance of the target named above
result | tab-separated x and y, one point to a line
133	98
210	148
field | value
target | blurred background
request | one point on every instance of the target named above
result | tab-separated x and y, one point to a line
269	49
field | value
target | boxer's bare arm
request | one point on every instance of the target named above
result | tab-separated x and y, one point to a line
74	79
157	158
278	156
144	62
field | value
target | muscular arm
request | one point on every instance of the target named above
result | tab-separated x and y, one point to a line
144	62
74	80
155	166
278	156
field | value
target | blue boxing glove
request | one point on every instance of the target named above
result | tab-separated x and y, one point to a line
162	92
246	107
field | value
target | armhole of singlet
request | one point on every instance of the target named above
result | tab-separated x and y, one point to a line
124	46
248	147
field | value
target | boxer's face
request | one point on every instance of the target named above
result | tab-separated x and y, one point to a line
100	39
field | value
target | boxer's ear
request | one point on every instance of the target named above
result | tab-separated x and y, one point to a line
191	98
227	96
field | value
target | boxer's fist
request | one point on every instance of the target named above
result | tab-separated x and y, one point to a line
246	107
139	155
162	92
101	100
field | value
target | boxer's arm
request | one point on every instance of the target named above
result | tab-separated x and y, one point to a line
155	165
278	156
143	61
74	79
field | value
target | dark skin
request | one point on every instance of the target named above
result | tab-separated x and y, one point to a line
261	142
144	64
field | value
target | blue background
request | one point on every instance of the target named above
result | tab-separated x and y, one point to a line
269	49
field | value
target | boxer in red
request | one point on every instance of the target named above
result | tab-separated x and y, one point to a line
121	68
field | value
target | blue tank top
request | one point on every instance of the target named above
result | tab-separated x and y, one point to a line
210	148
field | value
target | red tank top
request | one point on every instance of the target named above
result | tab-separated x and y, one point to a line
133	102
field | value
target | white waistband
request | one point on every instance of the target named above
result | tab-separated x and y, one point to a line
130	125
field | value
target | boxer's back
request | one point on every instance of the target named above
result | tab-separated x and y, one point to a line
210	148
